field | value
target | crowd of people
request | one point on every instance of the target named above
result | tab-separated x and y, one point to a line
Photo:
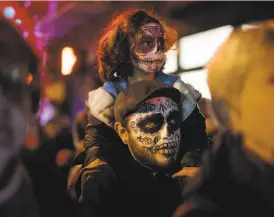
148	144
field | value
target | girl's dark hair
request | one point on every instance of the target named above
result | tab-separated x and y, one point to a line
113	52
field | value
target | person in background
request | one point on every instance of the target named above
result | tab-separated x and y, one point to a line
16	194
48	164
131	49
237	175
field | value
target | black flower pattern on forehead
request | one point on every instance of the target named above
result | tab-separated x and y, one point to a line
146	107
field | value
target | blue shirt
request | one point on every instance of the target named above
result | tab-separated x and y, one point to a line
114	88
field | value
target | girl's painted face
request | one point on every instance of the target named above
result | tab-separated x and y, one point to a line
148	48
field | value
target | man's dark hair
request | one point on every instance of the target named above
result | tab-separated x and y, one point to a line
113	52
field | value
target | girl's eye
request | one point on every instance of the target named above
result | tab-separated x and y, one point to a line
146	43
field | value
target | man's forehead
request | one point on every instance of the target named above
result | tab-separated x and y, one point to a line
158	100
157	105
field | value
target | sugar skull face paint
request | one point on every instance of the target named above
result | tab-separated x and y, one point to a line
148	48
154	133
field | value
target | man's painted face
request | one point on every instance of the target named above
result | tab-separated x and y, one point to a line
148	48
154	133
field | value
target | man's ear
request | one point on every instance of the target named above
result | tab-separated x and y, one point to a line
122	132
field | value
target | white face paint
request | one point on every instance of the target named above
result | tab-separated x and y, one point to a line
154	133
148	48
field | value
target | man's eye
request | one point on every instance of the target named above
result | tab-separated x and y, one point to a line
150	125
173	122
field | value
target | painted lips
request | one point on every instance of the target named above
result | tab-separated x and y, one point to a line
167	148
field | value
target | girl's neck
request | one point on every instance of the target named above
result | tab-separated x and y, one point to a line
139	75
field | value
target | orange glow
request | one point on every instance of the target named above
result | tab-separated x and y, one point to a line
29	79
68	60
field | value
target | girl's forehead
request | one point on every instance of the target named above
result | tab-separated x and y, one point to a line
147	25
153	29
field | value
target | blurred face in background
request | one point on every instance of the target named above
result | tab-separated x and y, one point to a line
148	48
15	112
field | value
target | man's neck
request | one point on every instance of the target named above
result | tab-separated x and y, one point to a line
156	172
139	75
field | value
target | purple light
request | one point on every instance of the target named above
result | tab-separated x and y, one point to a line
27	3
47	114
25	34
39	45
80	107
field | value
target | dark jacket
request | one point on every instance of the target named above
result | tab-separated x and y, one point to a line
136	191
232	182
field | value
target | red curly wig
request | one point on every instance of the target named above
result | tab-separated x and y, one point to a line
113	52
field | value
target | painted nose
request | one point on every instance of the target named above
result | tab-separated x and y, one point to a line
165	131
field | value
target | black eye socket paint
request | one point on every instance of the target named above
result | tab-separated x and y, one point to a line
151	124
145	44
151	34
173	120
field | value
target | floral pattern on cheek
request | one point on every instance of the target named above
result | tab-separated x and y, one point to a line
146	139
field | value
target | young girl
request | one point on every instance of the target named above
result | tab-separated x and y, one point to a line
132	48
